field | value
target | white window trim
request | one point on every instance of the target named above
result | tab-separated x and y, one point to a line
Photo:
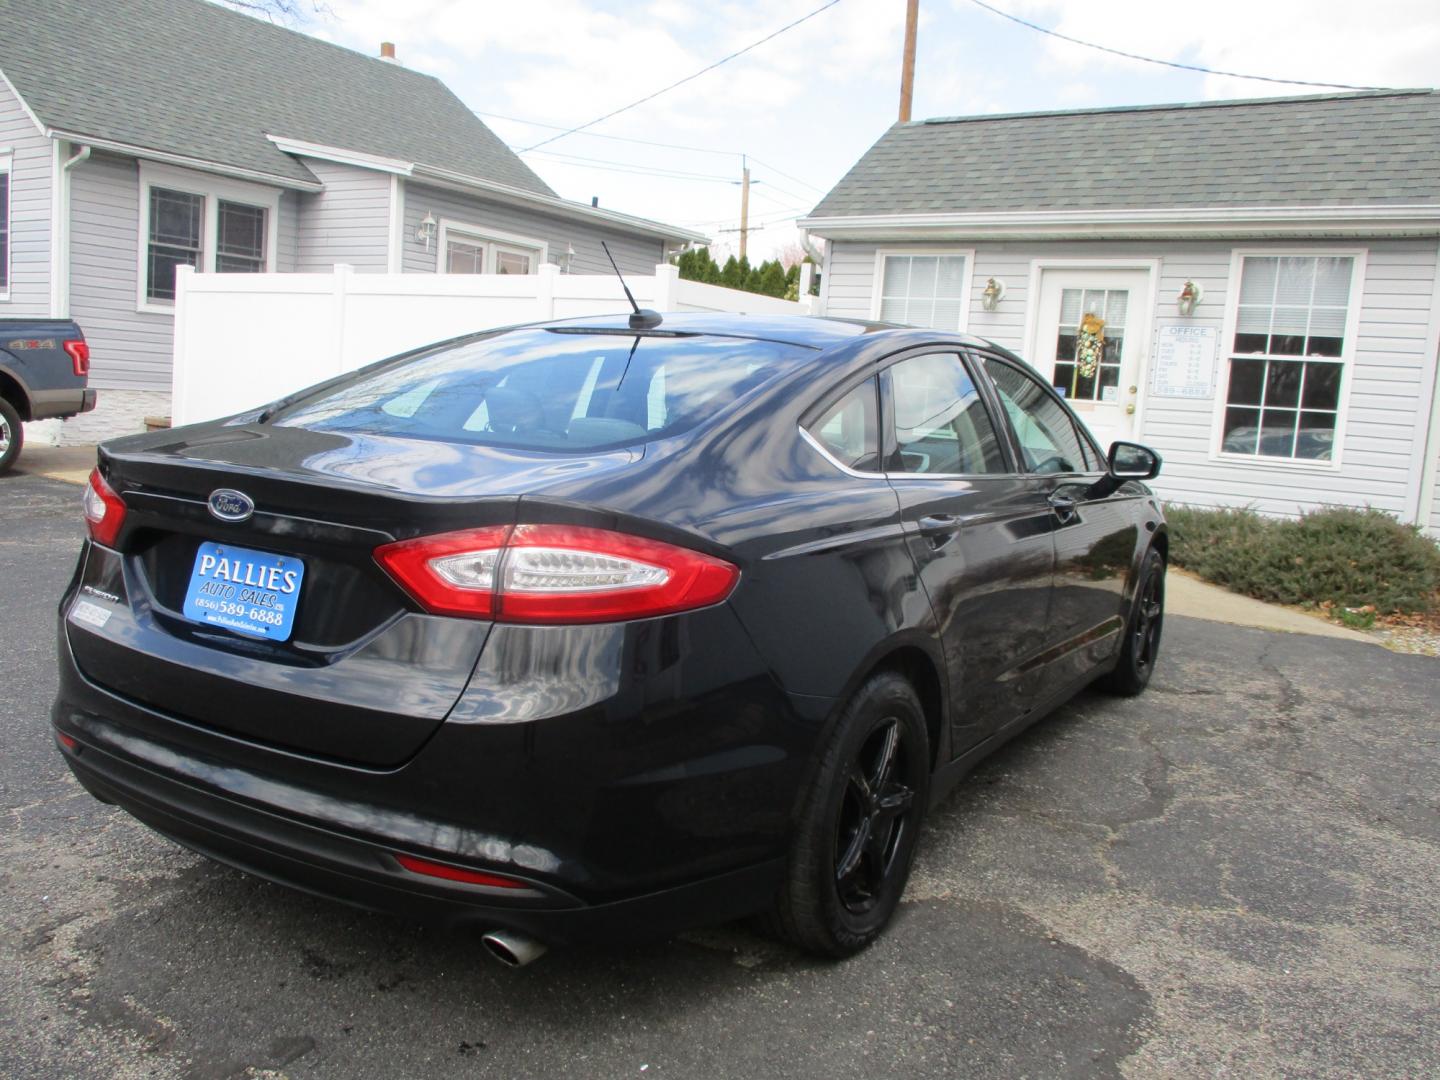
489	238
1346	359
213	189
7	167
967	290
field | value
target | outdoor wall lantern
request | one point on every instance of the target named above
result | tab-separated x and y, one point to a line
425	231
993	294
1190	295
568	259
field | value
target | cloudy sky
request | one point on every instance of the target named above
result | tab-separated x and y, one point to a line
805	105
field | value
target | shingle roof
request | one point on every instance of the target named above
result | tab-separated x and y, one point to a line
1329	150
187	77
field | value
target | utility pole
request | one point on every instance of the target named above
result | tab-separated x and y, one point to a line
907	65
744	203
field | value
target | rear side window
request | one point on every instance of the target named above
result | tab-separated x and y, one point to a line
848	429
941	425
1047	436
549	389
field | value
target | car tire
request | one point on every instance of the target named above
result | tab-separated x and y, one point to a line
12	435
851	853
1142	631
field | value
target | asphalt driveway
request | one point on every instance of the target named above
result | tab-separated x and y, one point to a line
1236	874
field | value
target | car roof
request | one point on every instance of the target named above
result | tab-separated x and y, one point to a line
807	330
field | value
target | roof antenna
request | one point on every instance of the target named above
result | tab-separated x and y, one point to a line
642	318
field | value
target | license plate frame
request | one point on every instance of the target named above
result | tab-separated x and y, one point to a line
248	592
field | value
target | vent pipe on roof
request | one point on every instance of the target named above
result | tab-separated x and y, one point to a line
387	51
594	200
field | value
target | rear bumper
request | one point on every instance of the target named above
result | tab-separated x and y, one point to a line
53	404
365	874
662	802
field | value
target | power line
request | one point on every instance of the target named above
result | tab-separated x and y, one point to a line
615	138
1168	63
688	78
644	170
772	168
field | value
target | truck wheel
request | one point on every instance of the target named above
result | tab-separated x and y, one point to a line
851	852
12	435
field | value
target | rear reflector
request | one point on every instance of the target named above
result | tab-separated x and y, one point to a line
104	510
455	873
67	741
79	356
555	574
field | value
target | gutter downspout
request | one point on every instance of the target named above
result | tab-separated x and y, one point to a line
1427	496
60	228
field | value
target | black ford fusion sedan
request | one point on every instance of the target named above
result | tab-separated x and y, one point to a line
590	631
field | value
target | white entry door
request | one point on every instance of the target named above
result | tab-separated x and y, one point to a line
1091	335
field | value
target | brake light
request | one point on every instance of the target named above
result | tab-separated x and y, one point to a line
79	351
456	873
554	574
104	510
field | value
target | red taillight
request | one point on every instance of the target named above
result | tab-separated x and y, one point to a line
67	741
555	574
79	352
456	873
104	510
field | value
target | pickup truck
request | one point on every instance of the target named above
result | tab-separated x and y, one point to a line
44	365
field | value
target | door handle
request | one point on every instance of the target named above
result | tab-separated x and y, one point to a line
931	524
1064	507
939	529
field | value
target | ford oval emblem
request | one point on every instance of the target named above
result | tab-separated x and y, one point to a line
227	504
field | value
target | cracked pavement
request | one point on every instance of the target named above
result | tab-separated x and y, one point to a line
1235	874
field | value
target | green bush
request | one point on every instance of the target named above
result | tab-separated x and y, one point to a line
1336	556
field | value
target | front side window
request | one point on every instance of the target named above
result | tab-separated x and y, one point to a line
941	425
1286	359
4	227
549	390
848	429
176	225
1047	436
923	290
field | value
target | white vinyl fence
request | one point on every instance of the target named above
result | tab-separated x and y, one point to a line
244	339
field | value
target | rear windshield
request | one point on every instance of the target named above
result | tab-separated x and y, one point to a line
549	390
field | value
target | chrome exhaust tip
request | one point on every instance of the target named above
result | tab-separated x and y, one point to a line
511	949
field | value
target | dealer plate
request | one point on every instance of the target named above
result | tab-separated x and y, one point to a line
250	592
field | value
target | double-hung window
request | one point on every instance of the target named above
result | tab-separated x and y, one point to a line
1292	335
4	225
213	225
923	288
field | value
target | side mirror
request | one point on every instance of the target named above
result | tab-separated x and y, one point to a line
1131	461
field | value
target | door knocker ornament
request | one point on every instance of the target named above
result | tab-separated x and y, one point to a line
1089	345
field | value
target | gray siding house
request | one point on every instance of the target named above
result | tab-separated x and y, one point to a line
1250	287
195	135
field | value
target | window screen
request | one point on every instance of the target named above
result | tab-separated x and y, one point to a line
1283	397
240	247
923	290
176	221
941	425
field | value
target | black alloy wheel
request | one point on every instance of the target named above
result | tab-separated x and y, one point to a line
874	816
853	844
1142	635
